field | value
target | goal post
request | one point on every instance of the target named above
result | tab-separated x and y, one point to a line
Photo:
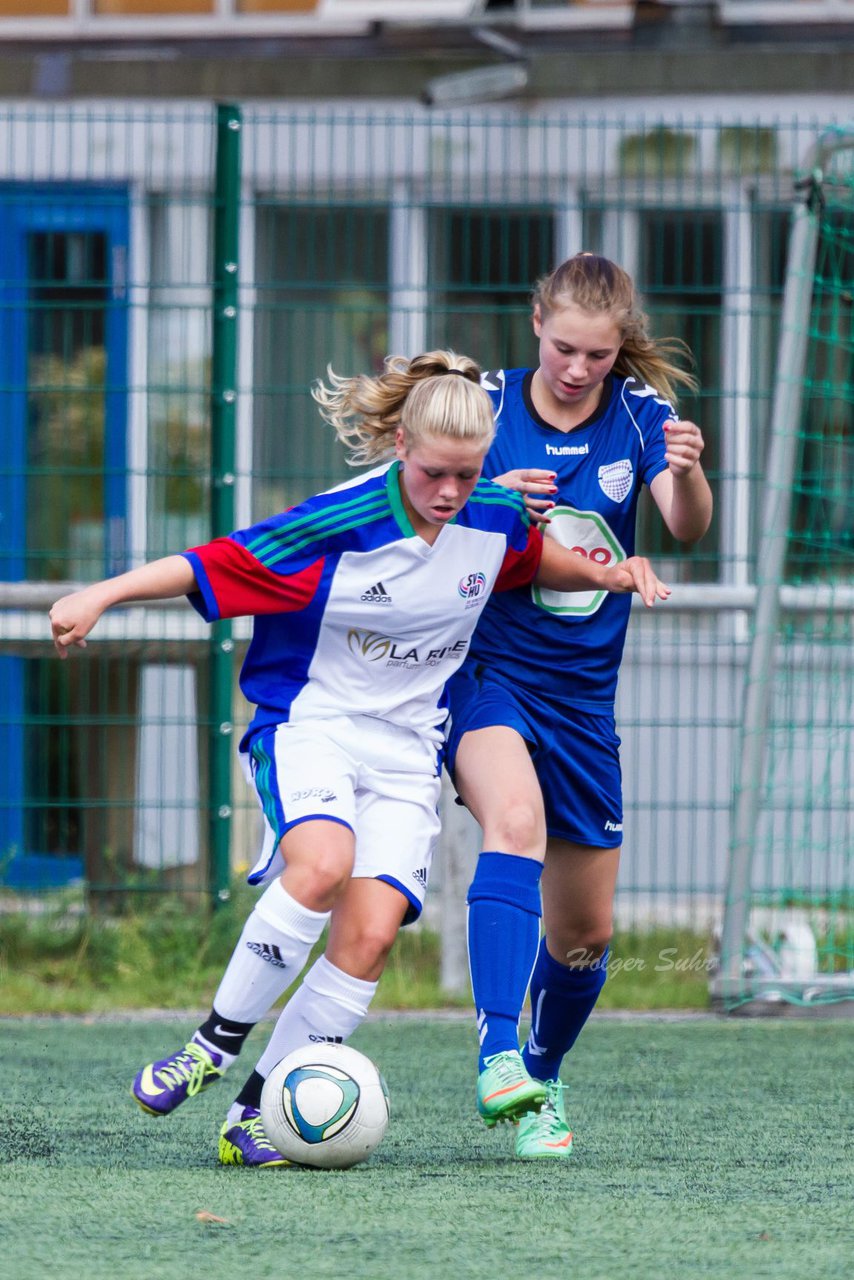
786	938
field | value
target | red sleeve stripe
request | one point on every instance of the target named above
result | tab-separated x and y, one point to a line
243	587
520	567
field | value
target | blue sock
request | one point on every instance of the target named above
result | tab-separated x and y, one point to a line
562	999
503	931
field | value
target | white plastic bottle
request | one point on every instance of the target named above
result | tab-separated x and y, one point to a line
797	951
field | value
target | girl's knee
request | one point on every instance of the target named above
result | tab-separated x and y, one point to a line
318	883
518	828
580	946
363	951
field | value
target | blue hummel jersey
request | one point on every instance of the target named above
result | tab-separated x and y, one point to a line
569	645
354	613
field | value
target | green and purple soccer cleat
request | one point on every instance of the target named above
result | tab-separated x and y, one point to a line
546	1135
505	1091
245	1142
162	1086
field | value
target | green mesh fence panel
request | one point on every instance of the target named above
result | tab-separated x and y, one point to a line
365	230
105	386
788	929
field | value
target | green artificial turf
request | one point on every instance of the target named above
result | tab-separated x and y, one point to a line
704	1148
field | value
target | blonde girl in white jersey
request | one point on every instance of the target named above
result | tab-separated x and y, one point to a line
343	745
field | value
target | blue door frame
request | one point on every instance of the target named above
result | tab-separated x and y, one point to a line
27	209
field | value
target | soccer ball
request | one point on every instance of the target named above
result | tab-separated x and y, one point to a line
325	1106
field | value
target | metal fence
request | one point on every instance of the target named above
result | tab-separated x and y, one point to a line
174	279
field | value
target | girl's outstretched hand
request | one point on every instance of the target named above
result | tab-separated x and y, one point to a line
530	482
637	574
72	618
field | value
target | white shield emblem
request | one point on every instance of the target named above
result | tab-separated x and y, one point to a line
615	479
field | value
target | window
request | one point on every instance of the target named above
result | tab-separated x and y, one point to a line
680	276
483	265
322	299
179	347
69	292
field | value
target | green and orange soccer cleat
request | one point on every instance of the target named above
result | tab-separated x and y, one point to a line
545	1136
505	1091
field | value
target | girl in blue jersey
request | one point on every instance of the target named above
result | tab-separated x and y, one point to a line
364	600
533	747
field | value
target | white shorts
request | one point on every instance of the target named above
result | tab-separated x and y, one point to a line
379	780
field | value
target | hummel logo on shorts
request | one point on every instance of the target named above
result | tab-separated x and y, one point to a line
376	594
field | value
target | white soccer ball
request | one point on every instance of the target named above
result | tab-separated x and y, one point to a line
326	1106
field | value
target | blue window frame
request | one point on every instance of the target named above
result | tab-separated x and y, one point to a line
63	470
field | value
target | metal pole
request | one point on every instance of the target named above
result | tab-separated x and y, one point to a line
785	424
223	414
459	846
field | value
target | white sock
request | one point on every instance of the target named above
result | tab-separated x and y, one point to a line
329	1005
270	954
220	1057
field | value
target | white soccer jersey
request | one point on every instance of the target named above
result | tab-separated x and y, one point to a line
355	614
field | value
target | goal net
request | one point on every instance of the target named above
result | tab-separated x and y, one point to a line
787	941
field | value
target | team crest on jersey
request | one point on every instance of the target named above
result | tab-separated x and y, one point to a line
472	588
615	479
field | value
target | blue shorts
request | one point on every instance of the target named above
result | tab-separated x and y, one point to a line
576	754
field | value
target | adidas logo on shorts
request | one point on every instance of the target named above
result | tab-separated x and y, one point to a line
420	876
376	594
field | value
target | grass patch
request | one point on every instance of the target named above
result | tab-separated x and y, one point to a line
717	1150
658	969
170	955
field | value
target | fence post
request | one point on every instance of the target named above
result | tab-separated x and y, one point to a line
460	844
770	572
223	416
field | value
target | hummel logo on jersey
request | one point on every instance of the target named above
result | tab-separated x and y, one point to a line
376	594
613	826
267	951
420	876
326	1039
567	450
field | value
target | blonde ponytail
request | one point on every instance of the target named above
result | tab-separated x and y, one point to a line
416	395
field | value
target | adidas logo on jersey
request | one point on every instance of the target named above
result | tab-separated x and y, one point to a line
376	594
326	1039
420	876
